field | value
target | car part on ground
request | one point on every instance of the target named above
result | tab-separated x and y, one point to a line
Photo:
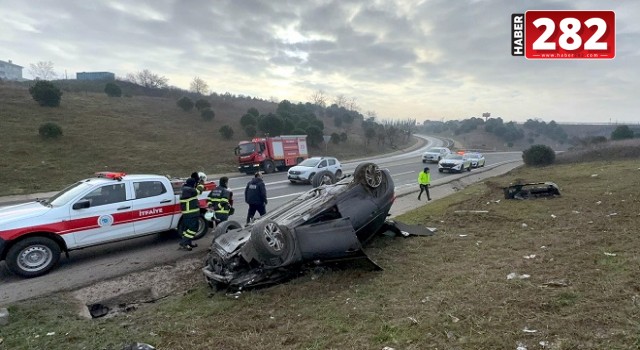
326	224
531	190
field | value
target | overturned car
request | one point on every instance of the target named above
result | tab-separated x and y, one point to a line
328	223
531	190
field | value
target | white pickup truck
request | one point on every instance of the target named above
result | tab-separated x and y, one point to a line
107	208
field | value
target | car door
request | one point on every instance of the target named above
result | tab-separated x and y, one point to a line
322	165
108	217
332	167
153	206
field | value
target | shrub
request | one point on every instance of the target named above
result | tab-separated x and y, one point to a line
343	137
335	138
112	90
202	104
248	119
207	114
46	94
250	130
539	155
50	130
185	103
226	131
622	132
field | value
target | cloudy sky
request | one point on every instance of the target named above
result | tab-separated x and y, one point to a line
422	59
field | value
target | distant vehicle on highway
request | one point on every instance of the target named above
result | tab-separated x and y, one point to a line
454	162
305	171
476	158
435	154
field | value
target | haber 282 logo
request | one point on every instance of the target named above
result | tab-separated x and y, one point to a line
564	34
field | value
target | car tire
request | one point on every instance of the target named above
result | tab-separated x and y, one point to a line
268	167
203	228
292	181
368	174
469	168
271	240
225	227
440	170
33	256
324	177
338	174
424	160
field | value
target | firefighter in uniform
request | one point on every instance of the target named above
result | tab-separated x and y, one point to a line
221	200
190	208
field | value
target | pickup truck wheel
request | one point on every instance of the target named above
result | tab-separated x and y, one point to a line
270	241
33	257
368	174
203	228
225	227
268	167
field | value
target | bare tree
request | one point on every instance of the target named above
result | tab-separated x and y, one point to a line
42	70
340	100
352	105
371	114
147	79
319	98
199	86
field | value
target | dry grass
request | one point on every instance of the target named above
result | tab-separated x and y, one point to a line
449	291
138	134
612	150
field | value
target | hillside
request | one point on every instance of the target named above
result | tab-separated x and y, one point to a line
136	134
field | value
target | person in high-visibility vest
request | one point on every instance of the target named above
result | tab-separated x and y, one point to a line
190	208
424	179
221	200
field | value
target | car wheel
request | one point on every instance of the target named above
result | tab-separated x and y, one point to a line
439	170
338	174
203	228
368	174
292	181
270	240
469	168
33	257
424	160
323	178
268	166
225	227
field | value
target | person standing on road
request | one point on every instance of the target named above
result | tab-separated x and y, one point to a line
255	194
424	179
190	208
221	200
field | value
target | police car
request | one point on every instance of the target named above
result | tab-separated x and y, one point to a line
107	208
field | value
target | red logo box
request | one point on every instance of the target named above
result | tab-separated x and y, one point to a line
570	35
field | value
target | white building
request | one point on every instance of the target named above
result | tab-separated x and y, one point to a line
10	71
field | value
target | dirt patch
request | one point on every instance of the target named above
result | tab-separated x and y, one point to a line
130	292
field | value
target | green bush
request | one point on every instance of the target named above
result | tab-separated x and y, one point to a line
335	138
50	130
226	131
250	130
185	103
248	119
202	104
539	155
207	114
46	94
112	90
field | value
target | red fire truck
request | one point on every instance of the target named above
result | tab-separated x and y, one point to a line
271	153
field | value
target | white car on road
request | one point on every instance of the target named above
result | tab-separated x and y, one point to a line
305	171
434	154
454	162
477	159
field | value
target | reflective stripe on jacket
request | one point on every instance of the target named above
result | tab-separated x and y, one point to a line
424	178
220	198
189	204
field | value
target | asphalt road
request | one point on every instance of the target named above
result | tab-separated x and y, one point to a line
90	265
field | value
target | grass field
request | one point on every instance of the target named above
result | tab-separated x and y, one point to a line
138	134
581	252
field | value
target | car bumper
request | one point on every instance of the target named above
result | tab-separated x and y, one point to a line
298	177
450	167
430	158
249	168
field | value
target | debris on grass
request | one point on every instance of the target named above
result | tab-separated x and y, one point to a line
544	344
463	235
388	348
529	256
471	211
575	212
553	216
524	225
610	254
51	333
613	214
556	283
594	175
514	275
454	319
521	346
599	202
413	320
527	330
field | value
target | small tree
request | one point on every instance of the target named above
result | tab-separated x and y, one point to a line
50	130
202	104
335	138
185	103
248	119
148	79
314	136
253	111
271	125
199	86
207	114
343	137
46	94
539	155
250	130
112	90
622	132
42	70
226	131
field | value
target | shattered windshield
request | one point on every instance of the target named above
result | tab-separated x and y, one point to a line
247	148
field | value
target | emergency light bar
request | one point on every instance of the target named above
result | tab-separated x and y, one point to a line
111	175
